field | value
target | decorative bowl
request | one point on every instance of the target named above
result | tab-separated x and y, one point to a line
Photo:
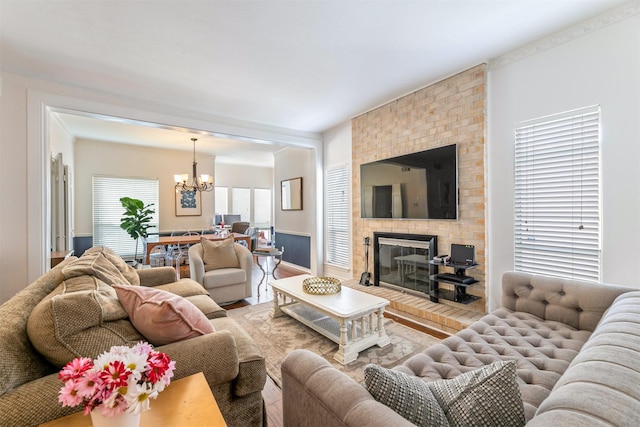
321	285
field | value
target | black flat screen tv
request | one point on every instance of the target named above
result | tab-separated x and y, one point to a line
422	185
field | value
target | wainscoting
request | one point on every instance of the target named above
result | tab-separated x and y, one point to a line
297	248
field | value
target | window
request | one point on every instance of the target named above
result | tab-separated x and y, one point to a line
338	216
107	211
221	200
262	207
241	203
557	195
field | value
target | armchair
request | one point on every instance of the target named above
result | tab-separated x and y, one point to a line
225	285
240	227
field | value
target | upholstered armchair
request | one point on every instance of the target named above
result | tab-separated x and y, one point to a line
223	268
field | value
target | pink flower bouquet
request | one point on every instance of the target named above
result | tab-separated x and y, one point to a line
122	379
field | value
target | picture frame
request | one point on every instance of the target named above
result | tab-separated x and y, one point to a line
291	192
188	203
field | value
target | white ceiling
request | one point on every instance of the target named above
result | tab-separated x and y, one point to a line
301	65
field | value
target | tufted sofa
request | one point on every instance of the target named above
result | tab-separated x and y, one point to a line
92	321
576	344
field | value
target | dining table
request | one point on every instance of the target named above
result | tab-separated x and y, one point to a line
191	239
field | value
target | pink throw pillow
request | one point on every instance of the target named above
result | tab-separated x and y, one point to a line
160	316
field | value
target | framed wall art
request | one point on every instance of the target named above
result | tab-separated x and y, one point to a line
188	203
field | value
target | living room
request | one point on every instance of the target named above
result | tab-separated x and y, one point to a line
555	72
595	62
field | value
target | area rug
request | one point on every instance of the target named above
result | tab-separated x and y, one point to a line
278	337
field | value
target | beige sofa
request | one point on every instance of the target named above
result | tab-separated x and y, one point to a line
576	344
230	360
225	285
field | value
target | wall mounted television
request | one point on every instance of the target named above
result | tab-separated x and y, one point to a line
422	185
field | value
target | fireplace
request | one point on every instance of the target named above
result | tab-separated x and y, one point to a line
402	261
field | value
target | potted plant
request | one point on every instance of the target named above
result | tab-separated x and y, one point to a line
136	220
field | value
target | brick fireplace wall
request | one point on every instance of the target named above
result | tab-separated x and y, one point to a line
451	111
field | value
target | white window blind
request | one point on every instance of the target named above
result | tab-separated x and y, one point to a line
221	200
107	211
241	203
557	195
262	207
338	216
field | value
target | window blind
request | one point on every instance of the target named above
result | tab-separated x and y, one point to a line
338	216
241	203
262	207
557	195
221	200
107	211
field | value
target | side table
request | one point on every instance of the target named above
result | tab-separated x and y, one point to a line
276	254
185	402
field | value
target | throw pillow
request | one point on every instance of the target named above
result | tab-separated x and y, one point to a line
488	396
409	397
219	254
160	316
80	317
95	265
112	256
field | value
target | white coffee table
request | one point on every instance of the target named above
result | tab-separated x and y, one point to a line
351	318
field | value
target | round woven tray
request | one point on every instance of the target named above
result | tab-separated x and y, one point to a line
321	285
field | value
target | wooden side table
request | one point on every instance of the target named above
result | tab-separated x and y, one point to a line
185	402
58	256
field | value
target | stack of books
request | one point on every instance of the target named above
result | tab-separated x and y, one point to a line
267	249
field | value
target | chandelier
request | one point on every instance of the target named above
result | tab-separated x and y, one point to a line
203	182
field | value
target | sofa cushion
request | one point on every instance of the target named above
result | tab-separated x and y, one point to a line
193	292
219	254
407	396
207	306
485	396
81	317
184	288
224	277
161	316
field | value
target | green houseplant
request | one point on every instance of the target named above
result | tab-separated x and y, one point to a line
135	220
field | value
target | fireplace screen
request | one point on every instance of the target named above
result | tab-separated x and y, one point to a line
403	263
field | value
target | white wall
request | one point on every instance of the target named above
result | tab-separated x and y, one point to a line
245	176
294	163
337	151
130	161
603	68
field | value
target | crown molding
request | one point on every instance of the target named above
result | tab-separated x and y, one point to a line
586	27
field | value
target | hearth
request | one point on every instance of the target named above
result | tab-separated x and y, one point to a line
401	260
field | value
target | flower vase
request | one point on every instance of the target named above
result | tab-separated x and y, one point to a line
123	420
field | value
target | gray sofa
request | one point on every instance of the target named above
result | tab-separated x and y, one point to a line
230	360
576	344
